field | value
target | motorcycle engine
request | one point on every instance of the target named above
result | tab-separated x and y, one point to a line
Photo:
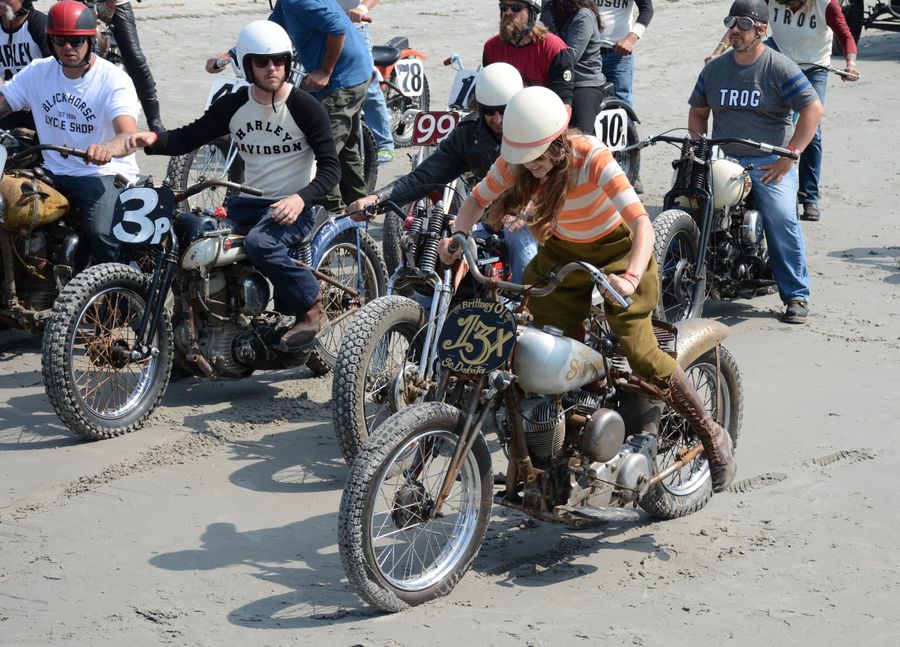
545	427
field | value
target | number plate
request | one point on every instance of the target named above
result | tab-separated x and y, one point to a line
477	338
463	84
223	85
431	128
410	76
143	215
611	127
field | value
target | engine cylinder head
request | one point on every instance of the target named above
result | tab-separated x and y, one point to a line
545	427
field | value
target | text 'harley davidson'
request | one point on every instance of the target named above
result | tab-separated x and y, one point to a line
111	340
581	431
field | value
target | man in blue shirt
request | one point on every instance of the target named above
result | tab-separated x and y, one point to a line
339	68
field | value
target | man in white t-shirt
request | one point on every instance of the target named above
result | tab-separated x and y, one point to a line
82	101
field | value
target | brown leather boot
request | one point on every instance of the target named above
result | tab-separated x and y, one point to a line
716	442
305	330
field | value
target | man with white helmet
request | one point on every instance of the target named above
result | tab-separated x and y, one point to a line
471	147
284	139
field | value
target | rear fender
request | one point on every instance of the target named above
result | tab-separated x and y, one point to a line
696	337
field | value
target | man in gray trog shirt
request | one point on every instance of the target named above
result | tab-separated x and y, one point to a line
751	92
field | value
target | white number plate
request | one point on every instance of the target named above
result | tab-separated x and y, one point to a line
611	127
410	76
223	85
431	128
463	85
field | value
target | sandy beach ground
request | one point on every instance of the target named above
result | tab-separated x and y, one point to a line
216	523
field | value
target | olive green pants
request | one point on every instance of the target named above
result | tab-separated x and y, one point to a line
569	304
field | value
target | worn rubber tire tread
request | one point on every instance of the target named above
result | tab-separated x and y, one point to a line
348	387
320	363
56	359
366	468
663	504
391	234
665	226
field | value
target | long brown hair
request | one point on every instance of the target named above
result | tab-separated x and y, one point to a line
563	10
542	201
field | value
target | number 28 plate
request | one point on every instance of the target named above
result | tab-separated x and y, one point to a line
430	128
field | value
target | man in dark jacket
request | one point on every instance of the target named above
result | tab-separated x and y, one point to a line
471	147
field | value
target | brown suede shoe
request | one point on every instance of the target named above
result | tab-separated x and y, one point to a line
304	332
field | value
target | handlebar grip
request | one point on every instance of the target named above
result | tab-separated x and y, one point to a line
250	190
448	61
453	247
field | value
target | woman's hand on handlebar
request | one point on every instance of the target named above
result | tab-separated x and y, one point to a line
621	284
357	211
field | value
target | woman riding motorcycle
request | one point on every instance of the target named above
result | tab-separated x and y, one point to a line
472	146
582	207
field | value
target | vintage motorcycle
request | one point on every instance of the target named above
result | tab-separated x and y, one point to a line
709	237
40	247
401	72
582	433
389	355
111	340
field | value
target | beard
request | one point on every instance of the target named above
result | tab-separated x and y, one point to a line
8	13
512	29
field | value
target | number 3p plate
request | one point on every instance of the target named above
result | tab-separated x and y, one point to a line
430	128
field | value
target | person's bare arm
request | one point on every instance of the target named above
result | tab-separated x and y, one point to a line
5	108
698	120
807	122
318	79
125	126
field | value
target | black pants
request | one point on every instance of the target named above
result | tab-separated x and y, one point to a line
125	31
585	106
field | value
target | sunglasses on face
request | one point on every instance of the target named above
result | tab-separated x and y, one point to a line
74	41
490	111
278	60
743	22
515	7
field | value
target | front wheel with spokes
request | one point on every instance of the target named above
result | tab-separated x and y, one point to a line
677	255
689	489
98	383
398	550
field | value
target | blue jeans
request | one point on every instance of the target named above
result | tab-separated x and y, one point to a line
95	196
266	243
777	204
810	166
521	247
619	70
375	112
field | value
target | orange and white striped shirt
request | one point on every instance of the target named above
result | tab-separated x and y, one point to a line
598	201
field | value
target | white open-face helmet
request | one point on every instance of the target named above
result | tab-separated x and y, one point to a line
262	38
534	117
497	84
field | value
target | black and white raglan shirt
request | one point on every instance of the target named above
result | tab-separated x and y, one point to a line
287	147
23	45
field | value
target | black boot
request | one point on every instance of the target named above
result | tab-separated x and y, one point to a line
683	397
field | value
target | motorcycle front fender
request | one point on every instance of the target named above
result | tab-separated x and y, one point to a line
327	233
696	337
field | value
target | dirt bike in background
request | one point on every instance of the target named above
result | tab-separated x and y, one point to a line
111	340
41	243
401	71
584	437
219	158
710	242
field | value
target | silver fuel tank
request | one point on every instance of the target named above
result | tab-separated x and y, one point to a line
550	364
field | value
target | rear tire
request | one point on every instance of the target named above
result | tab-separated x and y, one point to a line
690	489
206	163
373	352
93	385
630	161
368	151
675	250
392	484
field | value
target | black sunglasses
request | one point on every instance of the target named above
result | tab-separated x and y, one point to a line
278	60
743	22
490	111
74	41
515	7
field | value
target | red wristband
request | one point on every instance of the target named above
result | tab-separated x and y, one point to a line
794	150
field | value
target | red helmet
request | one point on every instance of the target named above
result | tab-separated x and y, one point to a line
70	18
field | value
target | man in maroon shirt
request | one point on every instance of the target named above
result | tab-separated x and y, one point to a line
542	58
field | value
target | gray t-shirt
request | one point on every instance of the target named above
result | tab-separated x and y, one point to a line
753	101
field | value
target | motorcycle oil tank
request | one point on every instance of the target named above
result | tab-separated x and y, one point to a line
30	203
731	183
547	363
